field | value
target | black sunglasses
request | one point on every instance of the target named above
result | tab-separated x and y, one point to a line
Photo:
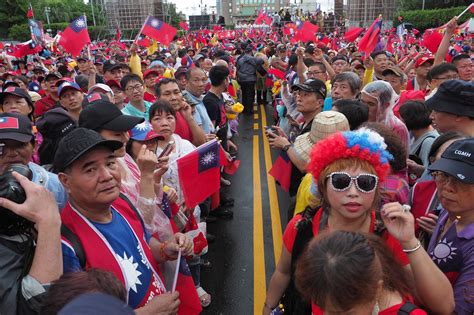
342	181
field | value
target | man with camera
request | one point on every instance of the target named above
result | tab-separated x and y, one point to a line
30	244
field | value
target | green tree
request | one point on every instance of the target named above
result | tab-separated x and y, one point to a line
408	5
171	16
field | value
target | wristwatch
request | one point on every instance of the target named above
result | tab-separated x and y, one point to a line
287	147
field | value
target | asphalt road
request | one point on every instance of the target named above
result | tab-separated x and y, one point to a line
246	249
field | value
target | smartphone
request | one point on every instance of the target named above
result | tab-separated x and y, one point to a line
167	150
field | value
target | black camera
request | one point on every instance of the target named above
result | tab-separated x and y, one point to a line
10	188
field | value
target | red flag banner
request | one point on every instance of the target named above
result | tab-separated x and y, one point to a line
352	33
184	25
118	34
75	36
29	13
370	39
199	173
471	8
158	30
281	171
305	31
277	73
431	40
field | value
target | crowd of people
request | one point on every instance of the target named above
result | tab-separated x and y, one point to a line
382	175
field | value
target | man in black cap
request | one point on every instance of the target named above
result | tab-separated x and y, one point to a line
452	107
310	97
112	71
106	231
17	147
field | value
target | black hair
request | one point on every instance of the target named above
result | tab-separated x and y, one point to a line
308	62
218	74
380	52
442	139
128	78
356	112
163	82
160	107
22	78
320	65
440	70
415	115
292	60
460	57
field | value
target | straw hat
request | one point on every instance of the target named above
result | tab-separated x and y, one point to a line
324	124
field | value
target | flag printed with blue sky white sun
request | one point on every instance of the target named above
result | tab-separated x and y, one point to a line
158	30
75	36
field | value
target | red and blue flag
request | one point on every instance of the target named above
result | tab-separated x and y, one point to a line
75	36
281	171
158	30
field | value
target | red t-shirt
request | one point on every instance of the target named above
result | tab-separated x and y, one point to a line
394	310
290	235
43	105
149	97
182	128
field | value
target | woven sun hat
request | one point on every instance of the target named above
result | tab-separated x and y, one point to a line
324	124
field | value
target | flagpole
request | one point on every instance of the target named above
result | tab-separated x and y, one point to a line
141	29
457	17
89	44
32	12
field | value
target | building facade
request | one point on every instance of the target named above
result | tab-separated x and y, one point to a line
364	12
245	10
130	14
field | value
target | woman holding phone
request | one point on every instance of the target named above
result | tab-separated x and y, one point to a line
163	122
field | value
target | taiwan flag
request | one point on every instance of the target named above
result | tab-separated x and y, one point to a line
281	171
9	122
305	31
75	36
158	30
199	173
370	39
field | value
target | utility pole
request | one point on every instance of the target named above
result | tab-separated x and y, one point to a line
47	11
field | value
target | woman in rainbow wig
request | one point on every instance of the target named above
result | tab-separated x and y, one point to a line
348	168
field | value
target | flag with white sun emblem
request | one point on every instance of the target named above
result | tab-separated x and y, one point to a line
158	30
199	173
75	36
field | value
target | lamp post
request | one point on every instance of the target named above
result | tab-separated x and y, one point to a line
47	11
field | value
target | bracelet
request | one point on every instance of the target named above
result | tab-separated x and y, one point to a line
411	250
265	305
162	251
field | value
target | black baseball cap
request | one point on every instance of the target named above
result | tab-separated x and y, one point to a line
312	85
77	143
102	114
55	122
53	74
458	161
110	65
16	91
9	83
16	127
454	97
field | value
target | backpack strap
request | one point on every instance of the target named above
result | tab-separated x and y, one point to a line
132	206
406	308
75	243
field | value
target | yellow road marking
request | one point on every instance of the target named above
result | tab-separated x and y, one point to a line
255	116
259	278
255	109
255	126
272	195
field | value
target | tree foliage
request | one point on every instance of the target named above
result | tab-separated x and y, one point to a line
423	19
408	5
13	14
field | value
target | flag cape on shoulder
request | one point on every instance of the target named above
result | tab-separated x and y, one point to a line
99	253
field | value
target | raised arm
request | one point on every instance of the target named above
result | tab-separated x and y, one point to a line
444	45
432	287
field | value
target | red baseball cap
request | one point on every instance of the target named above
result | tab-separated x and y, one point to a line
148	72
114	83
422	60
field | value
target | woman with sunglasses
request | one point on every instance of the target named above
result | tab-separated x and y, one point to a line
348	183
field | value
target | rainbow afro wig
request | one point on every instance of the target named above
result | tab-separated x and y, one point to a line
363	144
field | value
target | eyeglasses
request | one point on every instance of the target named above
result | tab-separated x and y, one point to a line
137	87
453	77
342	181
314	72
442	178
